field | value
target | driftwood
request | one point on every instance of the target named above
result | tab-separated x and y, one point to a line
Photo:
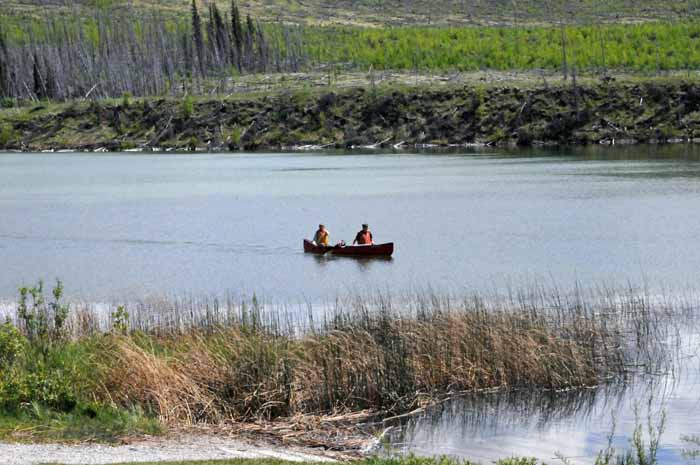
161	133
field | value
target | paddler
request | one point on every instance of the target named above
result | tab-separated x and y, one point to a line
322	237
364	237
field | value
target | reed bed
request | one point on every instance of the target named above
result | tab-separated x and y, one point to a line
216	361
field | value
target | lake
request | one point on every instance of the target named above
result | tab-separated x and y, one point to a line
117	226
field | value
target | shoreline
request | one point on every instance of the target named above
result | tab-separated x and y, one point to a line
379	147
387	117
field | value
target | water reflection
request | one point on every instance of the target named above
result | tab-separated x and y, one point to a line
578	423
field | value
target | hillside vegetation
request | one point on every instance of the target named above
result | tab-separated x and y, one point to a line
397	12
207	50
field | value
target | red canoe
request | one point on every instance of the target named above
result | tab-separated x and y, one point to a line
375	250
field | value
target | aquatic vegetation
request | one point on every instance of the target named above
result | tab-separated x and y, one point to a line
191	361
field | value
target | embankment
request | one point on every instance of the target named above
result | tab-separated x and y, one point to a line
648	111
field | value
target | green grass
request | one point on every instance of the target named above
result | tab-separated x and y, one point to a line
35	422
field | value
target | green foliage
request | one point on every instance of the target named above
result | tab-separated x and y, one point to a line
236	134
192	143
50	381
187	107
43	322
120	320
518	461
7	135
86	421
126	99
12	345
637	47
642	451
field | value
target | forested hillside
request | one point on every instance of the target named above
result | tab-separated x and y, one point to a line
96	49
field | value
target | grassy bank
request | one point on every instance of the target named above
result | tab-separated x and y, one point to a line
221	363
533	113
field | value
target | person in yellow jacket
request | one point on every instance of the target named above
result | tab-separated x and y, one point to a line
322	237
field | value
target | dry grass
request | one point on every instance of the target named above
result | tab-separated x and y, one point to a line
300	375
380	361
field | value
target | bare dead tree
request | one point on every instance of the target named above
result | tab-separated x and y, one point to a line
113	52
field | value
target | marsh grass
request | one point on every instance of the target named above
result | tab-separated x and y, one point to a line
189	361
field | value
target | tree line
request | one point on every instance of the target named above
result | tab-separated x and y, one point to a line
111	53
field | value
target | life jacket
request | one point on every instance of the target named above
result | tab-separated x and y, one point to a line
364	237
322	238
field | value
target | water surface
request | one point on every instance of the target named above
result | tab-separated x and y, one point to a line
123	226
115	225
577	424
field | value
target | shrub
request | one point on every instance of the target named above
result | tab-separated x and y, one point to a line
126	99
187	108
235	140
7	135
43	323
120	320
12	344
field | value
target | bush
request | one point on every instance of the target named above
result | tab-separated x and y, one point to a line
235	139
7	135
12	345
187	108
120	320
126	99
43	323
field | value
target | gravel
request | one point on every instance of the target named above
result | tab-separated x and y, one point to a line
150	450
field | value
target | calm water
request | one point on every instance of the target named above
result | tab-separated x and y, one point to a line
576	424
131	225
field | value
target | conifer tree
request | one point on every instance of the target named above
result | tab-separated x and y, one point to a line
220	32
197	36
39	87
236	33
4	81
